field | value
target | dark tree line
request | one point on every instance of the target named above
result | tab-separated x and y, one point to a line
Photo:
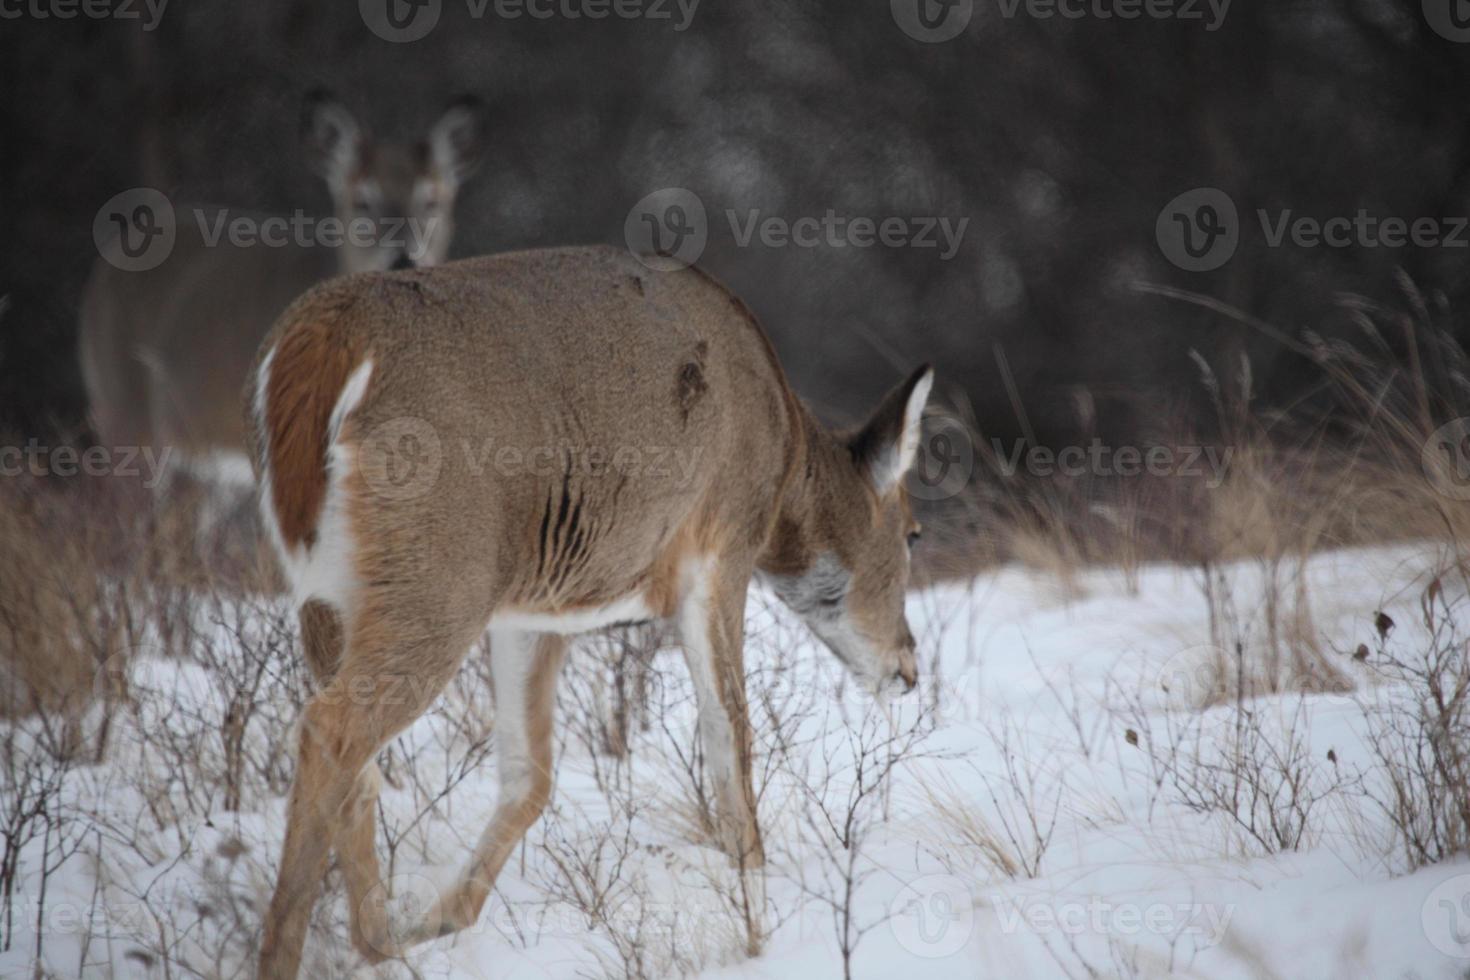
1060	140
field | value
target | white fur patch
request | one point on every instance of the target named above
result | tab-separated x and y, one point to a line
262	436
896	460
352	391
715	731
222	466
628	609
913	419
511	658
327	570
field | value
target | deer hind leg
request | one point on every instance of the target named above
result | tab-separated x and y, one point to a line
355	837
523	672
712	631
387	677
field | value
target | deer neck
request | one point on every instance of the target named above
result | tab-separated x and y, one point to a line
819	465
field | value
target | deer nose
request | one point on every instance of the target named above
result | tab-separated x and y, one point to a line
401	263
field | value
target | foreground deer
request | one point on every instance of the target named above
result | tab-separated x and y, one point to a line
165	352
443	450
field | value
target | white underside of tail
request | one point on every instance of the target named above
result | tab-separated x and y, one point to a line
327	571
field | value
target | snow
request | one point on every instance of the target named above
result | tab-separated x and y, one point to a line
1046	700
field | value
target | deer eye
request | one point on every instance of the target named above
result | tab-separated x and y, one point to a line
913	537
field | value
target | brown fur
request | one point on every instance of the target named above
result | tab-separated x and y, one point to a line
521	366
307	372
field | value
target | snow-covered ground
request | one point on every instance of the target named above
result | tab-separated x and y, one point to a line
1042	816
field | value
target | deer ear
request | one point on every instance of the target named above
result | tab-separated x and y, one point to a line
457	140
331	135
885	448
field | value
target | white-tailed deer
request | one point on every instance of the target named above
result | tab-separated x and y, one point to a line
544	443
165	352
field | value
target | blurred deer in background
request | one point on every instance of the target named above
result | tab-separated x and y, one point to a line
165	352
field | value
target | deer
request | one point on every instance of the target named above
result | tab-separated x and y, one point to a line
164	353
470	450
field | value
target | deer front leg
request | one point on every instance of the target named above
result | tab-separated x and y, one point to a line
712	630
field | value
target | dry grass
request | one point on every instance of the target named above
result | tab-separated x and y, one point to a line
1354	464
962	825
